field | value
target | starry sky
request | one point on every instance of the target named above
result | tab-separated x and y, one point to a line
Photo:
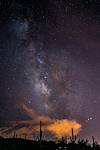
50	63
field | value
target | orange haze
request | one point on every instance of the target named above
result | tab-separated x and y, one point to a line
58	127
63	127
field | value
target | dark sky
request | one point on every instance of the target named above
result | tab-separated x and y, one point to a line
50	61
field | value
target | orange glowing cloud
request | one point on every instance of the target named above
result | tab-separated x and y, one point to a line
62	128
58	127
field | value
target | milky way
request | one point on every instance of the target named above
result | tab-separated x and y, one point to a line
49	62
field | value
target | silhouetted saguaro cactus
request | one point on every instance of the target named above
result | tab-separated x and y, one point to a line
72	133
14	136
40	133
73	137
40	130
93	141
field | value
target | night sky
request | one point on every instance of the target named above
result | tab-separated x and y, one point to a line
50	64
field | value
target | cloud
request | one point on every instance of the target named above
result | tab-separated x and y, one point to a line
36	117
63	127
60	128
57	127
